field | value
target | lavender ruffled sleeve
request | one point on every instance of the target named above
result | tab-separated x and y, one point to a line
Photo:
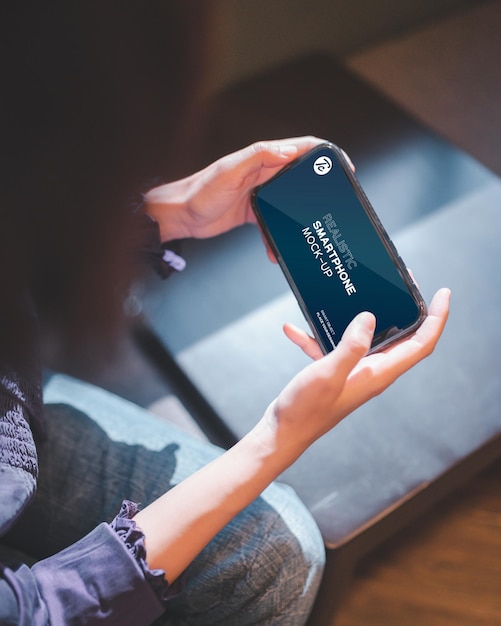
134	539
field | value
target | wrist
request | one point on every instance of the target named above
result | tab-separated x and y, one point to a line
167	205
275	443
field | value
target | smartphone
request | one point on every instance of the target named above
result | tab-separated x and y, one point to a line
334	251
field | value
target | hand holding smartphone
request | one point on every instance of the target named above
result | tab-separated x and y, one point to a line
334	251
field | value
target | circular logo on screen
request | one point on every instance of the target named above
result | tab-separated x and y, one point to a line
322	165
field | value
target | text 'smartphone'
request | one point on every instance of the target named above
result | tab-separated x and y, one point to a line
334	251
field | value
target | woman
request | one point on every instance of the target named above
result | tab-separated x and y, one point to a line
95	101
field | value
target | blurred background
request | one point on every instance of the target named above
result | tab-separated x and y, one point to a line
437	58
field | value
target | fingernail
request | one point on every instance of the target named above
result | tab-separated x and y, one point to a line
288	150
365	322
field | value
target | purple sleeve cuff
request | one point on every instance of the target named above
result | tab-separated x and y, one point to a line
95	581
100	580
133	537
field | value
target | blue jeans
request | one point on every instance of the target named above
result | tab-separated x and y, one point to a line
262	568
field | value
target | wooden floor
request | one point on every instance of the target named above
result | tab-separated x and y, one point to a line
445	570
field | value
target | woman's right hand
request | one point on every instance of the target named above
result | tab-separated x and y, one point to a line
333	386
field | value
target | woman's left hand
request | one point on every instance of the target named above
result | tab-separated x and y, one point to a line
217	198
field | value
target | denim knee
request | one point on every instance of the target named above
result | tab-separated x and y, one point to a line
296	550
263	568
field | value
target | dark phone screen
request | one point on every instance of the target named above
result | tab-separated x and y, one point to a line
330	250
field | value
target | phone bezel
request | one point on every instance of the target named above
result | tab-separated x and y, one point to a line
340	157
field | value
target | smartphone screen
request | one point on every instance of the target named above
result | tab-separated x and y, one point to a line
334	251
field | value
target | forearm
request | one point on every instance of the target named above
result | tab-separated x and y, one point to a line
178	525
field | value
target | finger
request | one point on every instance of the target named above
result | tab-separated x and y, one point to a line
409	352
276	153
348	160
272	154
304	341
270	253
413	278
438	312
372	375
356	341
327	376
334	370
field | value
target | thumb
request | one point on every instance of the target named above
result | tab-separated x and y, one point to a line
354	344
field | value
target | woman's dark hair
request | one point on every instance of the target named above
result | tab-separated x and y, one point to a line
94	96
